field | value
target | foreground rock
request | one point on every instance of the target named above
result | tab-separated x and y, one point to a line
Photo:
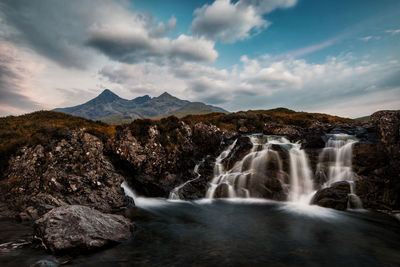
336	196
79	229
73	170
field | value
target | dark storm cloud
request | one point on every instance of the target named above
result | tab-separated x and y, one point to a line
133	47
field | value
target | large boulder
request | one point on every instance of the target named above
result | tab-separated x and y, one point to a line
73	170
336	196
76	229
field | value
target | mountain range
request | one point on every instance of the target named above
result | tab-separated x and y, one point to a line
111	108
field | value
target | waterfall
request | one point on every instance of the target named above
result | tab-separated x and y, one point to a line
218	170
301	183
240	179
335	160
128	191
174	194
335	164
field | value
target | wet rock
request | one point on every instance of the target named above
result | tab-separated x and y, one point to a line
243	130
45	263
193	190
222	191
368	157
290	131
266	187
242	147
166	159
79	229
336	196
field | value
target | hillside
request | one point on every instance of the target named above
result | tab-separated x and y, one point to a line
40	127
112	109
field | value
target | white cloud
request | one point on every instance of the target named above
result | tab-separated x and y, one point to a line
226	21
370	37
393	31
268	82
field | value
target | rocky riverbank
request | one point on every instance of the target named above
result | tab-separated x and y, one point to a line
85	168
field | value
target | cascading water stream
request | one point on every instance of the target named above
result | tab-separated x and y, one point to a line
254	166
335	163
174	194
301	183
275	158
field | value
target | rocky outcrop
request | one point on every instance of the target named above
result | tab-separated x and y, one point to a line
77	229
197	188
165	159
242	147
290	131
388	124
377	162
73	170
336	196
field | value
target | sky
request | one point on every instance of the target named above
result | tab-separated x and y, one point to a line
340	57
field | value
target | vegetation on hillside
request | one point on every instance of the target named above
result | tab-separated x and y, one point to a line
254	120
43	127
40	128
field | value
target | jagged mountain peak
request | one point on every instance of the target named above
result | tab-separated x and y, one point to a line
108	94
141	99
110	107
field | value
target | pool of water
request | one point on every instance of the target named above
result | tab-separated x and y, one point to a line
233	233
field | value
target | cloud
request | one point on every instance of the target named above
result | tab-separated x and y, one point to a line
16	76
67	33
51	28
393	31
370	37
228	21
269	82
134	43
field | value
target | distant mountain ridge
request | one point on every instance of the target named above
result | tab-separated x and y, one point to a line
113	109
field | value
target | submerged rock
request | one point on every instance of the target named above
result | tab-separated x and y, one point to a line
336	196
222	191
78	229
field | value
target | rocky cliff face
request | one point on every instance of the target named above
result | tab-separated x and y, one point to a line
163	160
378	163
73	170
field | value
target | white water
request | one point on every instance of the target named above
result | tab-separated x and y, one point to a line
254	165
301	183
174	194
128	191
335	164
335	160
